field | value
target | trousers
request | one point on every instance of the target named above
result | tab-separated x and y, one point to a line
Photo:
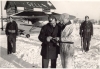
45	63
86	43
11	43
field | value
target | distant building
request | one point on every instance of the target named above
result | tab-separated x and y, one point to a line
29	9
13	7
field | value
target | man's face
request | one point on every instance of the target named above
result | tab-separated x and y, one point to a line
52	21
87	19
65	21
10	19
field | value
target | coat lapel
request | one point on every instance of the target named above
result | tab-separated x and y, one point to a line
52	31
55	31
49	30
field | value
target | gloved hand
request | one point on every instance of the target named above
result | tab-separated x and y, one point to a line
56	38
49	38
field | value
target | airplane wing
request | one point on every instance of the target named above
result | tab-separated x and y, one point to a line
30	14
42	16
36	16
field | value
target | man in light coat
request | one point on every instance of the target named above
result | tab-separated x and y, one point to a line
67	41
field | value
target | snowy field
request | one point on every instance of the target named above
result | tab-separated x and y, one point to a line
28	52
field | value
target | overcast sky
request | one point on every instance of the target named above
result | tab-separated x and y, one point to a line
77	8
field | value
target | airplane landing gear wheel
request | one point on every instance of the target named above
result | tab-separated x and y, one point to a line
21	33
27	35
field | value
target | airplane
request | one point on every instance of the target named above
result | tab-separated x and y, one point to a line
28	23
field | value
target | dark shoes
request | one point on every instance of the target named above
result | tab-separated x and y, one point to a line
9	53
86	50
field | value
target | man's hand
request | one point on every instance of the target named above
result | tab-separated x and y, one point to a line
49	38
56	38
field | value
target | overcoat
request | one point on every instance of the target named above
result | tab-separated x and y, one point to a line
68	35
86	29
49	49
11	26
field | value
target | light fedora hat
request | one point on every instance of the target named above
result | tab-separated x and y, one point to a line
64	16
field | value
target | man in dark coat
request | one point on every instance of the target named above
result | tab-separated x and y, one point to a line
86	31
61	27
49	49
11	32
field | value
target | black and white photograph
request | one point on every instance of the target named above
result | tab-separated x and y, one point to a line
50	34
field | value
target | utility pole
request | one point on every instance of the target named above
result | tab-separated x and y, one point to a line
1	17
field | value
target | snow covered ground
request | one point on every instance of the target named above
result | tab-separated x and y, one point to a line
28	52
